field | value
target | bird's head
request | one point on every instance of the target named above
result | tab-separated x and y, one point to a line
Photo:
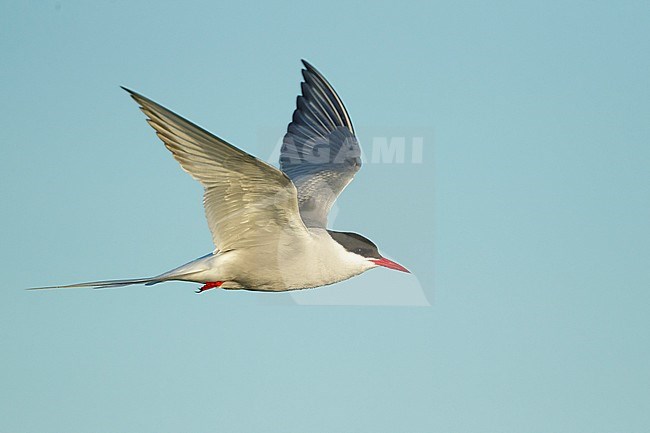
364	249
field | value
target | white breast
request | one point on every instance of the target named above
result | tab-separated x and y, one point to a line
288	264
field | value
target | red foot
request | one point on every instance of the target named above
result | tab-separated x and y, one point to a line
209	285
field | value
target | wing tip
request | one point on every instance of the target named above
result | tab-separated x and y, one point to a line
309	69
129	91
306	64
140	99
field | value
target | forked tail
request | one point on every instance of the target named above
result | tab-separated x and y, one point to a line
106	283
187	272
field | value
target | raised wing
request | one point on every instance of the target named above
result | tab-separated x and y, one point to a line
247	202
319	151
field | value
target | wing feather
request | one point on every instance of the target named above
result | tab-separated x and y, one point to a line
247	202
320	152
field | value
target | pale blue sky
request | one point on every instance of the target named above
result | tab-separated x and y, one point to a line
526	224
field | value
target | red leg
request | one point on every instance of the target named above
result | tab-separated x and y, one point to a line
209	285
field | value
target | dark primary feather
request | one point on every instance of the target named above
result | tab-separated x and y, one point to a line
320	152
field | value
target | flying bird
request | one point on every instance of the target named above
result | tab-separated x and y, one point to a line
269	226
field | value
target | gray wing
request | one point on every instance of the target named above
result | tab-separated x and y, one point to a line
319	151
247	202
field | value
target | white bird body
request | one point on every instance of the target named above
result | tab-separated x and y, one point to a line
269	225
297	265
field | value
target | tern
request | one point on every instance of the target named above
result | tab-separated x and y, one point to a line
269	225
